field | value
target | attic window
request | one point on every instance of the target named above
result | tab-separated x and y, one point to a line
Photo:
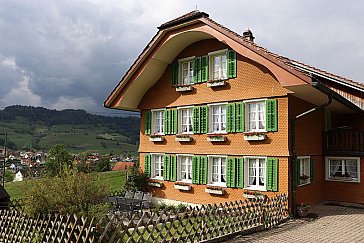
186	67
218	64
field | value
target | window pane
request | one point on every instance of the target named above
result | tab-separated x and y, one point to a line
336	167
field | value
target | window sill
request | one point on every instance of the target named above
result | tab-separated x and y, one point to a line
218	190
183	138
184	88
342	179
254	136
156	139
216	83
216	138
304	182
155	184
182	186
255	188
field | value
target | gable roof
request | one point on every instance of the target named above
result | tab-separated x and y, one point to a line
195	26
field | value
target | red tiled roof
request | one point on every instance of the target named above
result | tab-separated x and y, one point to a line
123	165
184	18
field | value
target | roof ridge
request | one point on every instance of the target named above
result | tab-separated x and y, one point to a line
195	14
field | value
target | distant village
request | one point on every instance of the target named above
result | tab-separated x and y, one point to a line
25	164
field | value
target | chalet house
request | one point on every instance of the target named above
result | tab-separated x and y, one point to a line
223	119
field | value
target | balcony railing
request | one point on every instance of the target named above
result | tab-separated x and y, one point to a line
344	142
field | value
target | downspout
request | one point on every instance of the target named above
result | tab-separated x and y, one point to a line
293	147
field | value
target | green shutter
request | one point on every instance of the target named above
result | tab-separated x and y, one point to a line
166	168
231	64
230	117
204	117
197	70
203	169
175	67
148	122
311	170
204	69
173	121
195	169
239	117
239	172
272	174
147	168
230	172
196	119
271	115
173	170
166	121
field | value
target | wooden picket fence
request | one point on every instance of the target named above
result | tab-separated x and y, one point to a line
194	224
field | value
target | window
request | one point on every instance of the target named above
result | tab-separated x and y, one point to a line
157	166
218	170
218	63
255	173
158	121
256	116
304	164
345	169
185	121
186	71
217	118
185	168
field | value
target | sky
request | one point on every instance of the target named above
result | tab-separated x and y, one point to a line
70	54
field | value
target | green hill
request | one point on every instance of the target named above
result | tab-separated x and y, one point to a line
41	128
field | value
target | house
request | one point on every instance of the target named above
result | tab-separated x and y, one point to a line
123	166
4	198
223	118
18	176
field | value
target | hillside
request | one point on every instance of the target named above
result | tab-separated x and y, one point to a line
79	131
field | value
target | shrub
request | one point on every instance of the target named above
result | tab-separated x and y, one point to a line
71	193
136	180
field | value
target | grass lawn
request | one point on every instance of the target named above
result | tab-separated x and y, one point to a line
115	179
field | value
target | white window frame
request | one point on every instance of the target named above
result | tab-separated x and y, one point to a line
152	165
190	61
209	181
180	118
247	115
179	170
305	168
212	56
246	173
154	121
211	117
327	169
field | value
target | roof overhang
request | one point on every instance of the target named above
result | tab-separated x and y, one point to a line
168	43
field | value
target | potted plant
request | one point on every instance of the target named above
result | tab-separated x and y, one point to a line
183	87
155	183
254	136
303	179
183	186
156	138
183	138
302	209
218	190
215	83
215	137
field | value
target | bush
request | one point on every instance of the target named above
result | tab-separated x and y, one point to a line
136	180
71	193
9	176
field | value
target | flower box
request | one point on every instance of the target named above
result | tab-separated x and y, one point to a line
156	138
254	136
251	196
183	138
303	181
216	138
216	83
184	88
341	178
183	187
155	184
215	190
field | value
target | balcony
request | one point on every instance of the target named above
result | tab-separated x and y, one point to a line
344	142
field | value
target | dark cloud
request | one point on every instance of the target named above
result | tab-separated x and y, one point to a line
71	54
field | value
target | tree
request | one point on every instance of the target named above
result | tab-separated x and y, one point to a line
136	181
57	159
103	164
